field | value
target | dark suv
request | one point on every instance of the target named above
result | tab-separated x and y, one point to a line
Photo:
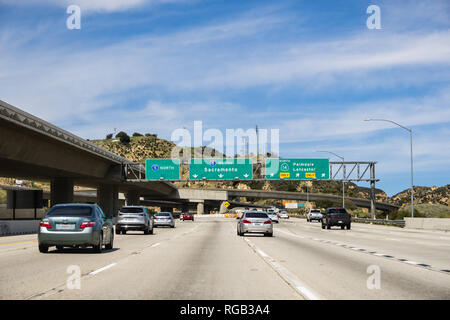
336	217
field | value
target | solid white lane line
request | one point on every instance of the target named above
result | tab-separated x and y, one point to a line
155	244
102	269
286	275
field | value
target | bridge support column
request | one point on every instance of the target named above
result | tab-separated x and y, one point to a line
61	190
200	208
372	191
132	198
223	208
107	199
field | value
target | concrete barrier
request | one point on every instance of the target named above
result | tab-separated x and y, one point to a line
20	213
15	227
440	224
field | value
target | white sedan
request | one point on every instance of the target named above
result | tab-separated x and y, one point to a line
284	215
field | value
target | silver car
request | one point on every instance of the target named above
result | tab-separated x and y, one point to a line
255	222
164	219
284	215
314	214
273	215
134	218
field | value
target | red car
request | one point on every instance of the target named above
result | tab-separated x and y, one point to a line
187	216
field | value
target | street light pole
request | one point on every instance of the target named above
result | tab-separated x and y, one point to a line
343	180
412	167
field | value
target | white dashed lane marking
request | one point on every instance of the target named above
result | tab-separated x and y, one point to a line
374	253
102	269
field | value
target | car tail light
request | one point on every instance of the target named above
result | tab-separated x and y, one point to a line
87	224
268	222
45	224
246	221
142	214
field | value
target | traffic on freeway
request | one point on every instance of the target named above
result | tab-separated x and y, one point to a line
299	261
224	159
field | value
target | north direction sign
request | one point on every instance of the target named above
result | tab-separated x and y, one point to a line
220	169
297	169
162	169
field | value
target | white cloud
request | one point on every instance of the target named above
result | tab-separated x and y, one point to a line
92	5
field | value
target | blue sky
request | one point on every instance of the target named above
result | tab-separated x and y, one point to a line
311	69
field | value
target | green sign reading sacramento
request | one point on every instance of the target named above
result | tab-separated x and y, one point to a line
297	169
220	169
162	169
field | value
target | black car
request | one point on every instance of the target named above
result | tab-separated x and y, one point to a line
336	217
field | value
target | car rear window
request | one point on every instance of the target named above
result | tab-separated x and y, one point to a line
132	210
72	211
163	214
315	211
256	215
337	211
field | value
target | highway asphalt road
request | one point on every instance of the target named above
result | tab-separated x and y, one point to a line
205	259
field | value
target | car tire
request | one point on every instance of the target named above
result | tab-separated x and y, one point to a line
117	231
328	226
43	248
268	234
150	231
124	231
98	247
348	226
342	227
110	245
60	248
172	227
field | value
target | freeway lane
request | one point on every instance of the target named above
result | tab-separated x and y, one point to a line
207	260
200	260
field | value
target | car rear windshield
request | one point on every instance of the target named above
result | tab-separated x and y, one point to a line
132	210
337	211
315	211
72	211
163	214
256	215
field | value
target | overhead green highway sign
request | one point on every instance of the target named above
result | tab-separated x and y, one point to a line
220	169
297	169
162	169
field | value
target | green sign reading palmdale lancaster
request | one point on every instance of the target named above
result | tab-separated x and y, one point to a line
297	169
220	169
162	169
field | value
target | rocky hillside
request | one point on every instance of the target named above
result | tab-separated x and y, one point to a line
424	195
141	148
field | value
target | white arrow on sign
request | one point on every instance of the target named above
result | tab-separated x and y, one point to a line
220	175
246	175
195	175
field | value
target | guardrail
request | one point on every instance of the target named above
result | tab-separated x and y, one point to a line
398	223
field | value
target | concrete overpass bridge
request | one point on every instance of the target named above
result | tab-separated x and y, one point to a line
31	148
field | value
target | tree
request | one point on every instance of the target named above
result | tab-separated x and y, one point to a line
151	135
124	137
109	136
137	134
